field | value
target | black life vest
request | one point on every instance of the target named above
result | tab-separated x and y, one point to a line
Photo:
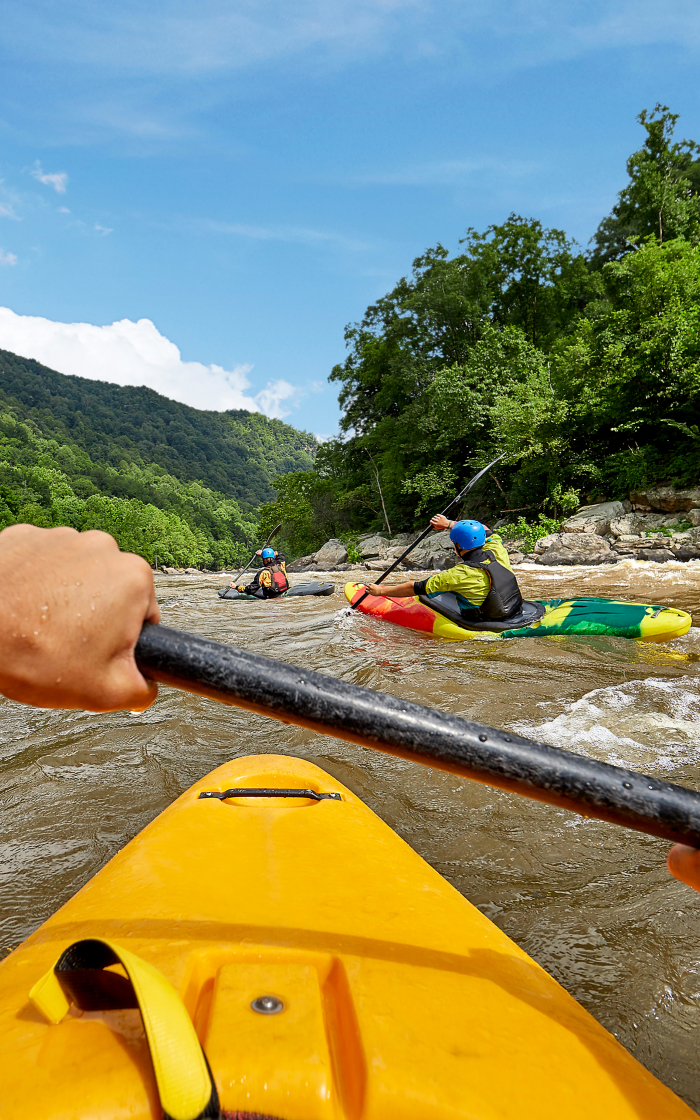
504	598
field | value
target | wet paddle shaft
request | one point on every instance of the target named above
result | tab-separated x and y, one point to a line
386	723
425	532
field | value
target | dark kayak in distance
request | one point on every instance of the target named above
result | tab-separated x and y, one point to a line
300	589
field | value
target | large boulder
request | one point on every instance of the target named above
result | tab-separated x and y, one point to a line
303	564
546	542
440	540
373	547
645	548
578	548
666	498
595	519
683	550
634	524
331	554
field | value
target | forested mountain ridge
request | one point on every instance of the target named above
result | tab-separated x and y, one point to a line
165	480
583	367
237	453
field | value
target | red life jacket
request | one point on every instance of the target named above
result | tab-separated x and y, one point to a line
279	578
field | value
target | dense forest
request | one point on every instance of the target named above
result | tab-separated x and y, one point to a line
236	452
583	366
166	480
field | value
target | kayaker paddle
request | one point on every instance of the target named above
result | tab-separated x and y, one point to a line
425	532
275	530
399	727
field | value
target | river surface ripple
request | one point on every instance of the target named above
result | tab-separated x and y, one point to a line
593	904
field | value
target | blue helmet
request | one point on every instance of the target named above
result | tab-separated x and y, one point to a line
268	554
467	535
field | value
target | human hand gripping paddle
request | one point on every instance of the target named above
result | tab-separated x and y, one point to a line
258	550
424	534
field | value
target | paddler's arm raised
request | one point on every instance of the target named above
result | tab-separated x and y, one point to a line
404	590
71	610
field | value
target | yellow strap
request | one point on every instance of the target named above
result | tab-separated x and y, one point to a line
184	1082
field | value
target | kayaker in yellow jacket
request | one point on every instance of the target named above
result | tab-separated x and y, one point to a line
483	582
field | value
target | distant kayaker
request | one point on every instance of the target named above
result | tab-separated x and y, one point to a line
483	582
270	580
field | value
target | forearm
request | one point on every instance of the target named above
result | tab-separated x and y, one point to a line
392	591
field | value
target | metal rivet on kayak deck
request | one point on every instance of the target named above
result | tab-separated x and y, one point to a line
627	785
483	738
267	1005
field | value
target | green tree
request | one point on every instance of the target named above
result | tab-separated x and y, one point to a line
662	197
632	374
537	277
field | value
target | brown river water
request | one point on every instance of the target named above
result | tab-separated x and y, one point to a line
592	903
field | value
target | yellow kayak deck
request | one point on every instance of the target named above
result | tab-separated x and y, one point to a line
399	1000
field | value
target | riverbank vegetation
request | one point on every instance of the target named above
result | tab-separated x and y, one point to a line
583	367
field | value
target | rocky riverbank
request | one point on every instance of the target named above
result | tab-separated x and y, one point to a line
657	524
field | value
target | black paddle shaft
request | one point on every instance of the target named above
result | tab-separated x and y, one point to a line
428	529
373	719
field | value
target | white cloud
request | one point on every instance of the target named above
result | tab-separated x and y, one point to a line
55	179
129	353
103	230
7	258
272	397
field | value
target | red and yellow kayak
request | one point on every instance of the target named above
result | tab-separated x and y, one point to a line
290	957
614	617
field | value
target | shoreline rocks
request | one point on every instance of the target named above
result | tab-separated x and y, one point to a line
656	524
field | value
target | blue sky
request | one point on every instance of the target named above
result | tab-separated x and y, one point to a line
232	182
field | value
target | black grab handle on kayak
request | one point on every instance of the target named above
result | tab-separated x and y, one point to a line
399	727
247	791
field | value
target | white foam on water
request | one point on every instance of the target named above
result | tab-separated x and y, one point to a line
654	723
